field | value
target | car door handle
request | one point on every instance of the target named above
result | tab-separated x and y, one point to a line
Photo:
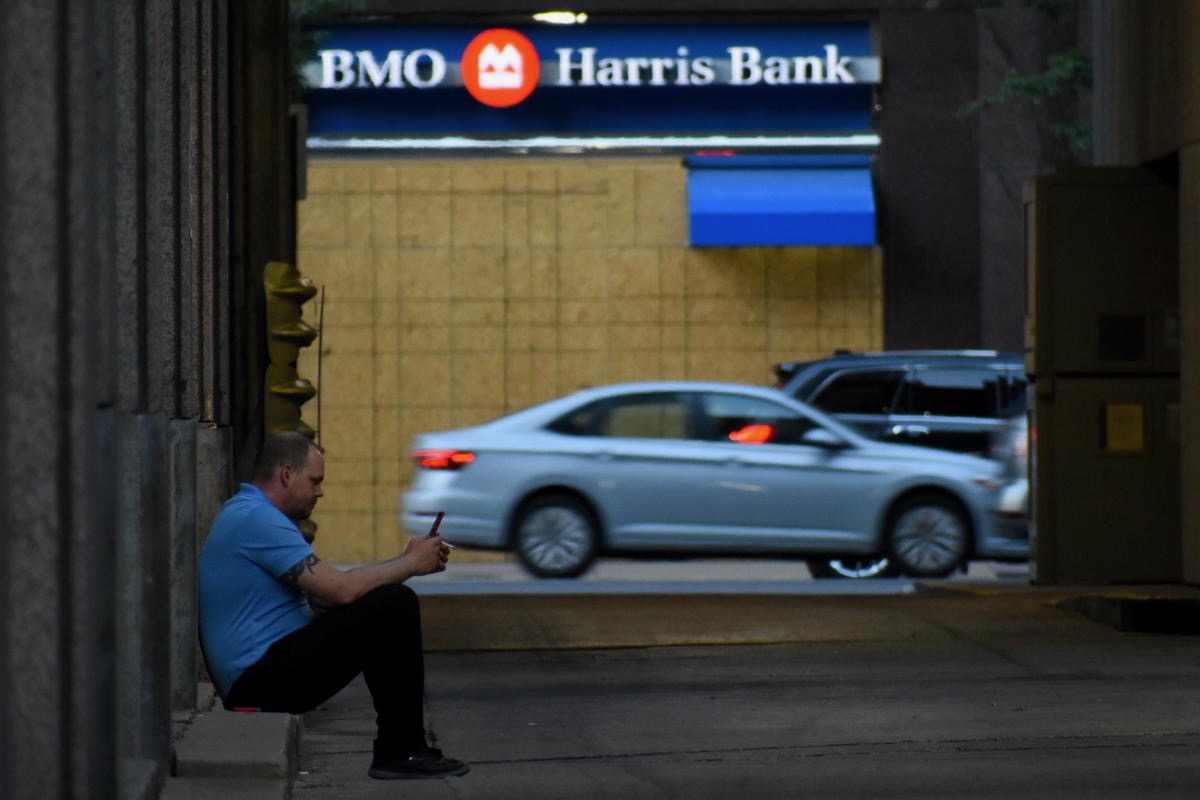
910	430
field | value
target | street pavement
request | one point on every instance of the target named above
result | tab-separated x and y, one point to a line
970	688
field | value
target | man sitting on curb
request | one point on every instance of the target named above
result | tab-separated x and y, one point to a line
264	647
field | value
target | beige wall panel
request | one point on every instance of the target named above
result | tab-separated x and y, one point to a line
792	311
390	442
479	312
516	179
581	177
792	272
576	337
794	343
633	271
543	273
347	428
385	178
477	220
458	291
420	274
478	380
323	178
345	537
674	364
625	310
582	273
358	218
543	220
580	222
321	221
673	338
486	177
345	496
385	220
425	379
342	274
347	376
468	338
515	220
637	365
740	366
713	310
357	176
387	381
625	339
620	208
582	312
389	538
427	220
661	207
579	370
347	324
422	177
478	272
831	313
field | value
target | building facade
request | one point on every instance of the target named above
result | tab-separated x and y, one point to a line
570	237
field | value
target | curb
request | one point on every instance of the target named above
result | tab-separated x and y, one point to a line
226	755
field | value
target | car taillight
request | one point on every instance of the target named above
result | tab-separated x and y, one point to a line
752	434
443	458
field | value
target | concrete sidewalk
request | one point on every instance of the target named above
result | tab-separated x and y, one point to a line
959	692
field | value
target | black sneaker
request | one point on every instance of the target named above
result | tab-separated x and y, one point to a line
427	762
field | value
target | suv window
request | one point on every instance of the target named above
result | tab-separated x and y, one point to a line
865	391
952	392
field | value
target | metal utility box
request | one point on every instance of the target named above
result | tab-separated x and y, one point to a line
1102	353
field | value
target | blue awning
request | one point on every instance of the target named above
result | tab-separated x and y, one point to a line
780	200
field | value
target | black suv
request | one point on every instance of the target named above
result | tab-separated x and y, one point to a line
951	399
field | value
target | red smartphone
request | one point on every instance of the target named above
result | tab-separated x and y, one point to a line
436	523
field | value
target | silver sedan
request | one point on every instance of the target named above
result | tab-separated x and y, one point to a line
690	468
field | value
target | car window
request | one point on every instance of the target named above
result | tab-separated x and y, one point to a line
952	392
867	391
648	420
641	416
752	420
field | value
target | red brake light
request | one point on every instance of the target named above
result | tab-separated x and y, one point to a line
442	458
752	434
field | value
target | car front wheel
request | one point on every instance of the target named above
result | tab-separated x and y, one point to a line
852	568
555	536
928	535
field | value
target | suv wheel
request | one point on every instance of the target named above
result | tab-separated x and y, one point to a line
555	536
928	535
852	568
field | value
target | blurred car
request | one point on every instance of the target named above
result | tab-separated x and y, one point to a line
959	400
689	468
1010	449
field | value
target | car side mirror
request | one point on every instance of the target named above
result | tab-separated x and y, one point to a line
824	438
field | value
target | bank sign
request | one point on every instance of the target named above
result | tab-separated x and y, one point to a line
592	80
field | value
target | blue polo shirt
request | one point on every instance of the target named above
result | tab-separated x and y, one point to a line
244	607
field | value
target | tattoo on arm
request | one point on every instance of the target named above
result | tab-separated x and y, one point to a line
292	576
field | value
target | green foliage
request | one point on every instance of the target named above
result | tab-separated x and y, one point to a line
1065	77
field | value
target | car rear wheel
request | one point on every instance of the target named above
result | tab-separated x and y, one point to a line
555	536
852	568
928	536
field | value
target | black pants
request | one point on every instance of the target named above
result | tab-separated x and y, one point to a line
378	635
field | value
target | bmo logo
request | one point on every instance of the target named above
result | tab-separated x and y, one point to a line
500	67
